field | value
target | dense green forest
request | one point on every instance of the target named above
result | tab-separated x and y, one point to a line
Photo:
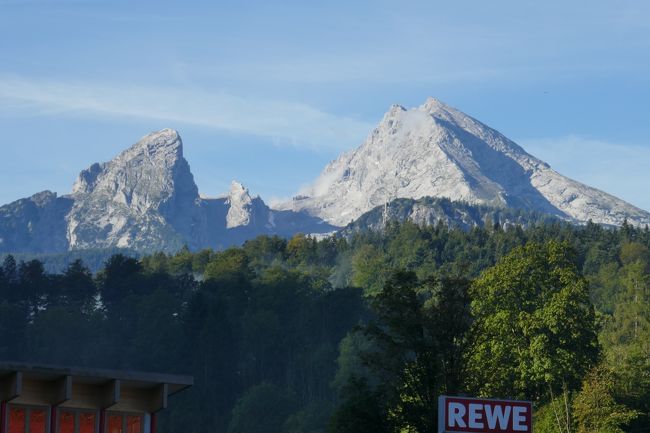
360	334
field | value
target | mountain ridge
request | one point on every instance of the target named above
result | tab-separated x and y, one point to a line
436	150
143	199
146	199
427	211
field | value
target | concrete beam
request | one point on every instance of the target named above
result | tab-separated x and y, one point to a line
62	390
111	394
11	386
159	397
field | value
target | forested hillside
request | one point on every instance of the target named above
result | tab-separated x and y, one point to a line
360	334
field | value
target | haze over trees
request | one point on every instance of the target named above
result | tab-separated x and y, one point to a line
361	333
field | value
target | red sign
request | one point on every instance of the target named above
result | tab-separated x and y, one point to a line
474	415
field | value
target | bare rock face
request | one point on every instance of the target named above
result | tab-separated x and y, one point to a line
239	216
35	224
241	206
437	151
144	198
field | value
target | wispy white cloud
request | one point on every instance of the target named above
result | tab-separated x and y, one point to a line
284	122
617	168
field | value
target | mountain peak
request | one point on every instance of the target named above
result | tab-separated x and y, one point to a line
241	205
431	108
149	184
159	150
165	132
432	103
435	150
163	142
237	189
441	111
393	111
145	199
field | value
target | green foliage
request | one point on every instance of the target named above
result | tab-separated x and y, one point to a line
370	269
411	353
13	325
311	419
632	252
120	278
631	319
594	407
262	409
605	285
94	259
555	415
534	326
362	411
300	249
369	358
350	368
78	288
626	335
550	418
265	251
231	264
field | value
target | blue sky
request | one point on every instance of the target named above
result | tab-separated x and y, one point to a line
269	92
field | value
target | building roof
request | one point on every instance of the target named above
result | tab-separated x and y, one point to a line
88	388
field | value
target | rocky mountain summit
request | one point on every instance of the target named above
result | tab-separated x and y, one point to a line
427	164
145	199
435	150
243	209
